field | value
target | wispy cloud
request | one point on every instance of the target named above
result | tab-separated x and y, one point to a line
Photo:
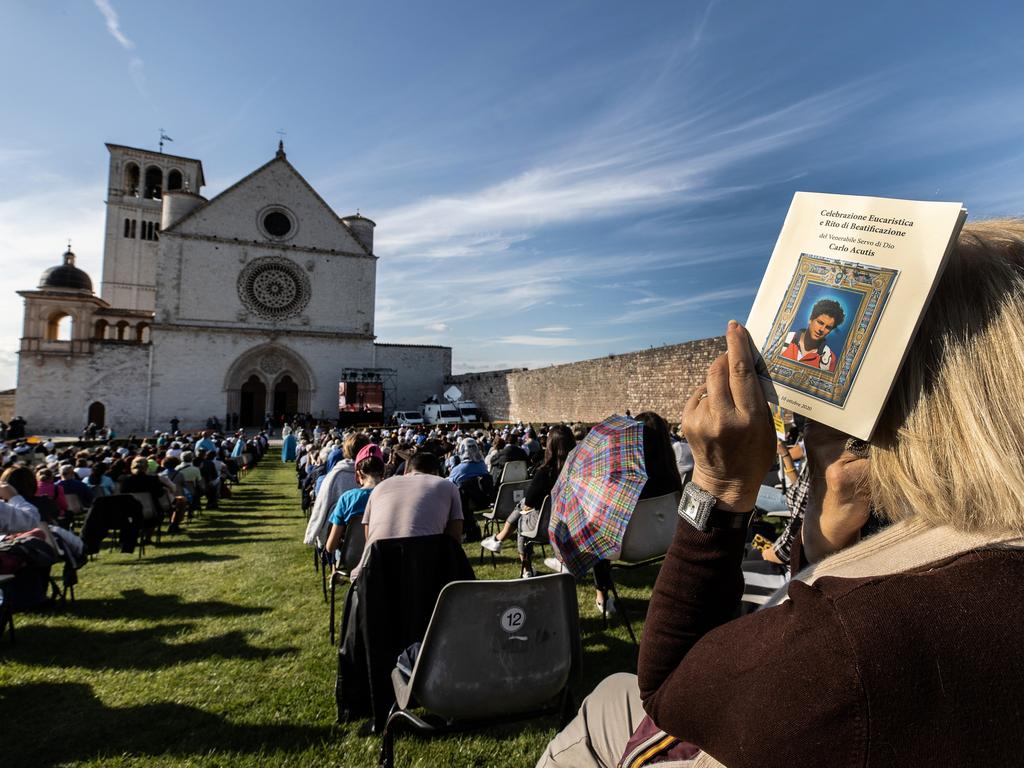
136	67
438	327
659	307
636	165
538	341
114	24
552	329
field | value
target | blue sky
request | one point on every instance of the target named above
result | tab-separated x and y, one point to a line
551	181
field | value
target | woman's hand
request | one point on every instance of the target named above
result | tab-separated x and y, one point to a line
729	427
839	503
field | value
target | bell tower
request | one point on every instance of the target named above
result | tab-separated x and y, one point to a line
136	184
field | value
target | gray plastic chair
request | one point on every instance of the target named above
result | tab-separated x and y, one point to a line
494	652
509	494
646	540
513	472
650	530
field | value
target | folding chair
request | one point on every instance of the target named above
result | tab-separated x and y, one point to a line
6	613
74	509
513	472
509	494
150	515
540	534
116	512
351	553
494	652
321	562
646	540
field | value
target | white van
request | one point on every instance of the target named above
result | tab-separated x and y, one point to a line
407	418
441	413
470	412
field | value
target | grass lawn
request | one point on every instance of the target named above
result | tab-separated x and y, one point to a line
213	650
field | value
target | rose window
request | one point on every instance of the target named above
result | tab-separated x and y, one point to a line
274	288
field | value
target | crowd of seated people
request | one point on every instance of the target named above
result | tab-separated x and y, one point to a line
892	640
61	499
471	459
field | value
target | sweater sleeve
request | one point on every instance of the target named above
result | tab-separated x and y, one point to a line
776	688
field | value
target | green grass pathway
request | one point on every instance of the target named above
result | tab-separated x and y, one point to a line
212	650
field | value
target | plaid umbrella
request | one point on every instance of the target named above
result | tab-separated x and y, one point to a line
596	492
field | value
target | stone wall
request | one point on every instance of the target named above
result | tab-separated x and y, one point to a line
657	379
56	389
7	406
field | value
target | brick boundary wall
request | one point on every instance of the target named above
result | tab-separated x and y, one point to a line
658	379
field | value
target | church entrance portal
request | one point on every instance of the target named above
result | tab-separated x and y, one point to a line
268	380
286	398
253	402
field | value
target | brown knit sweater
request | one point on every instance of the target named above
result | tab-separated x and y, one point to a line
920	668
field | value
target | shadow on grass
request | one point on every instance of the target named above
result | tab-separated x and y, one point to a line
216	539
130	649
137	604
89	729
182	557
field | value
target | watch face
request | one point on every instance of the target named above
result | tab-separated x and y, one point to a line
691	509
695	506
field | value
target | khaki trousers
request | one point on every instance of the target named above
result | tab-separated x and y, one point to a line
597	736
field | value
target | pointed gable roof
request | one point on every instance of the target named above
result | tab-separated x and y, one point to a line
206	219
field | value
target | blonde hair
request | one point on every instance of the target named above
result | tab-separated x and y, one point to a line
353	444
949	447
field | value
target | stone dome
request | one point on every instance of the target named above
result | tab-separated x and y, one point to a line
66	276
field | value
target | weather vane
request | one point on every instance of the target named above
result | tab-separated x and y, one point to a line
163	137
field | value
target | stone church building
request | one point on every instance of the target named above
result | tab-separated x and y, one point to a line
259	301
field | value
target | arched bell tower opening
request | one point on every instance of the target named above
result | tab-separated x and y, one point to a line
154	183
131	179
59	326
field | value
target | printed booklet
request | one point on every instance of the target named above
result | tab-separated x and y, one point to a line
840	302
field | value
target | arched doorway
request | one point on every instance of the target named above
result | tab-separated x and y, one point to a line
252	402
287	388
286	397
97	414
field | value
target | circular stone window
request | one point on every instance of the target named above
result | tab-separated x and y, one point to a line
274	288
277	223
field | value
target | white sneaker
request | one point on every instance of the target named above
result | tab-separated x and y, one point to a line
608	607
491	544
554	564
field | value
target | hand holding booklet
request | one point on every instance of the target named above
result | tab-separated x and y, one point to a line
841	300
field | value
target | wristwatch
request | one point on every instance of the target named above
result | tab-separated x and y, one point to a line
699	508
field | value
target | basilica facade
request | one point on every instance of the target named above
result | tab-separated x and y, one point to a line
259	301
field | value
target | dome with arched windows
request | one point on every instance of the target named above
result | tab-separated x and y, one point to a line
66	276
